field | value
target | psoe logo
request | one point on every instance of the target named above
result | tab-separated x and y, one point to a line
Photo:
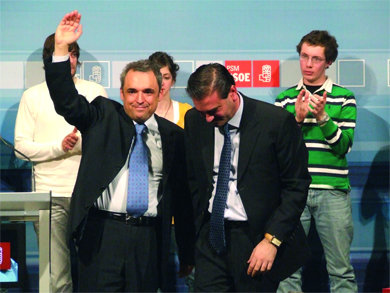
241	70
266	73
96	71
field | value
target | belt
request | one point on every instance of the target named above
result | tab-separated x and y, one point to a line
123	217
228	223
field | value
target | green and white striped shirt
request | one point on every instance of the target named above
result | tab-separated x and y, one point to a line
328	144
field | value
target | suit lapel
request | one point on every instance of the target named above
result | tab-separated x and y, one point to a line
248	132
206	141
128	132
168	147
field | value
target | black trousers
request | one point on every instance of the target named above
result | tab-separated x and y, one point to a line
117	257
228	272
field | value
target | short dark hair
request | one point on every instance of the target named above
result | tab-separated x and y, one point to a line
48	48
163	59
142	66
209	78
323	39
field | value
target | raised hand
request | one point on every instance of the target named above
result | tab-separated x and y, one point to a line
318	105
302	106
68	31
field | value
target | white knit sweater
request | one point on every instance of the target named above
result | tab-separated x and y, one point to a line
39	132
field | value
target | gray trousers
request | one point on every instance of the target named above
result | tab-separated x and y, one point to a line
60	268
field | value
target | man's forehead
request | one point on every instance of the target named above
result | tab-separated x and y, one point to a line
141	75
208	102
139	72
311	47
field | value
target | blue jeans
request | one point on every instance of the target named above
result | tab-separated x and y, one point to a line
332	214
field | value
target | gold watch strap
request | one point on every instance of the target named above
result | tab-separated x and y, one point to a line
271	238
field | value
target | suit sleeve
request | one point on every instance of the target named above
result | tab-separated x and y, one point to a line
183	214
292	158
68	103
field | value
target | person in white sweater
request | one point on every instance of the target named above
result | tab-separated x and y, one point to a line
54	147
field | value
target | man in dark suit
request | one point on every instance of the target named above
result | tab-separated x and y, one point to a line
122	236
262	240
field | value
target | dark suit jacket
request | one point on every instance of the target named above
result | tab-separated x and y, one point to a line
107	132
272	181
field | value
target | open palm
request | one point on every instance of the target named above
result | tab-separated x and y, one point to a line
69	29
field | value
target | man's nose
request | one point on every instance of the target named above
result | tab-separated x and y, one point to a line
140	97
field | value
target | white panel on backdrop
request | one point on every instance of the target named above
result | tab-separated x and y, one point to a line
117	67
290	72
204	62
34	73
352	72
11	75
186	69
388	72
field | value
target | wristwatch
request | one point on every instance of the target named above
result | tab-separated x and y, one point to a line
271	238
323	121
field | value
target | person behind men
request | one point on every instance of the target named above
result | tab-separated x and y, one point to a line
248	177
54	147
174	111
326	113
131	180
170	109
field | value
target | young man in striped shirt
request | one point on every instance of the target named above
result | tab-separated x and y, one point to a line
326	113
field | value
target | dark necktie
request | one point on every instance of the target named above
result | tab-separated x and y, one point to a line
217	227
137	192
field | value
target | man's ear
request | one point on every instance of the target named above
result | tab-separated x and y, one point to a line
328	64
122	96
233	92
160	95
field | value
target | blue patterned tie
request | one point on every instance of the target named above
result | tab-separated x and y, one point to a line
217	227
137	192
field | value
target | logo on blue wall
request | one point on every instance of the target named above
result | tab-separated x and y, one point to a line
96	71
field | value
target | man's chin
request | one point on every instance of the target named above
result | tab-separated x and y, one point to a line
140	118
218	123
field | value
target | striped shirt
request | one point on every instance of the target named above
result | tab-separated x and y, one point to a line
328	144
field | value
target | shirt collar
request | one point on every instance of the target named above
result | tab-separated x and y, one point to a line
236	119
151	124
327	85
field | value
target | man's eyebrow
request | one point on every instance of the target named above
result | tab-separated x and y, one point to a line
211	111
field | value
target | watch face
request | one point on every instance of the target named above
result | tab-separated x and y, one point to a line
276	241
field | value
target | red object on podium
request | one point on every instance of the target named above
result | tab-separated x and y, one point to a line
5	256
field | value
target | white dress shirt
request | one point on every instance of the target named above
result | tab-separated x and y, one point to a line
234	210
114	197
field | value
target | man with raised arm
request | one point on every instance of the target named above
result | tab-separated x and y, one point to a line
54	147
131	181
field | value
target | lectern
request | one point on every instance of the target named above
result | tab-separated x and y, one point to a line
30	206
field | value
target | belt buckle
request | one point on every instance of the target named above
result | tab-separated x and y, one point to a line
132	220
